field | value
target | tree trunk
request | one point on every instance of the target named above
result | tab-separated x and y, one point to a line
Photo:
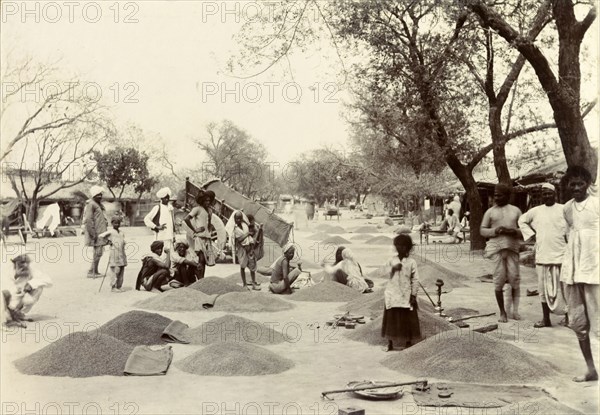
32	211
499	146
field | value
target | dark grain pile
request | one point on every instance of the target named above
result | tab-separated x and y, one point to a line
78	355
181	299
216	285
431	325
361	237
234	359
251	302
380	240
470	357
136	328
327	291
232	328
366	229
336	240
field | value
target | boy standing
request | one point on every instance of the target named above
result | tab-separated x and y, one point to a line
118	259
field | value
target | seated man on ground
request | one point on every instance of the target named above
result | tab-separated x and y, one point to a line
283	276
155	274
184	267
454	227
21	293
348	271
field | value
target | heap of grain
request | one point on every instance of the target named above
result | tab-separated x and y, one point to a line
468	356
431	325
318	236
232	328
136	328
234	359
327	291
216	285
380	240
78	355
366	229
180	299
372	305
251	302
335	230
361	237
336	240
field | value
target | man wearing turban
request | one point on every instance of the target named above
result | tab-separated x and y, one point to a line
96	223
160	218
546	223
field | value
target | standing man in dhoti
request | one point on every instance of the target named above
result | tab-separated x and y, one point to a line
95	224
546	223
500	225
160	219
580	268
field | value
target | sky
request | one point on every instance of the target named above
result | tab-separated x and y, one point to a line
161	65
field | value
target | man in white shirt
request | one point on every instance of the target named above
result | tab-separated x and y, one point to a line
160	218
580	269
546	223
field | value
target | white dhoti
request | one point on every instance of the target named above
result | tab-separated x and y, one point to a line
550	288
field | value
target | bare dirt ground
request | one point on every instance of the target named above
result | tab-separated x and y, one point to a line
324	358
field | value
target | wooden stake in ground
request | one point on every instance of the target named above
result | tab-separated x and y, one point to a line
105	272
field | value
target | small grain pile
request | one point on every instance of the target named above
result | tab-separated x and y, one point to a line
468	356
372	305
327	291
335	229
432	271
234	359
216	285
78	355
336	240
252	302
431	325
136	328
380	240
236	279
181	299
318	236
366	229
323	227
232	328
361	237
379	273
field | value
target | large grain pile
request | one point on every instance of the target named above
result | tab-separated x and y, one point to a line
318	236
431	325
136	328
366	229
470	357
432	271
336	240
236	279
252	302
372	305
232	328
234	359
181	299
327	291
335	229
216	285
323	227
78	355
361	237
380	240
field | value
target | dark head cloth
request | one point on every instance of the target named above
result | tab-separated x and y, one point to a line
21	258
157	245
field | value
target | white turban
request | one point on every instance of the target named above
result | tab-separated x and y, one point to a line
96	190
548	186
165	191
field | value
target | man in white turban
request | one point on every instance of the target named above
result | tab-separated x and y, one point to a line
95	223
160	218
546	223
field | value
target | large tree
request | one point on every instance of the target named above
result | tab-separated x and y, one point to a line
36	99
122	167
55	159
233	156
563	90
